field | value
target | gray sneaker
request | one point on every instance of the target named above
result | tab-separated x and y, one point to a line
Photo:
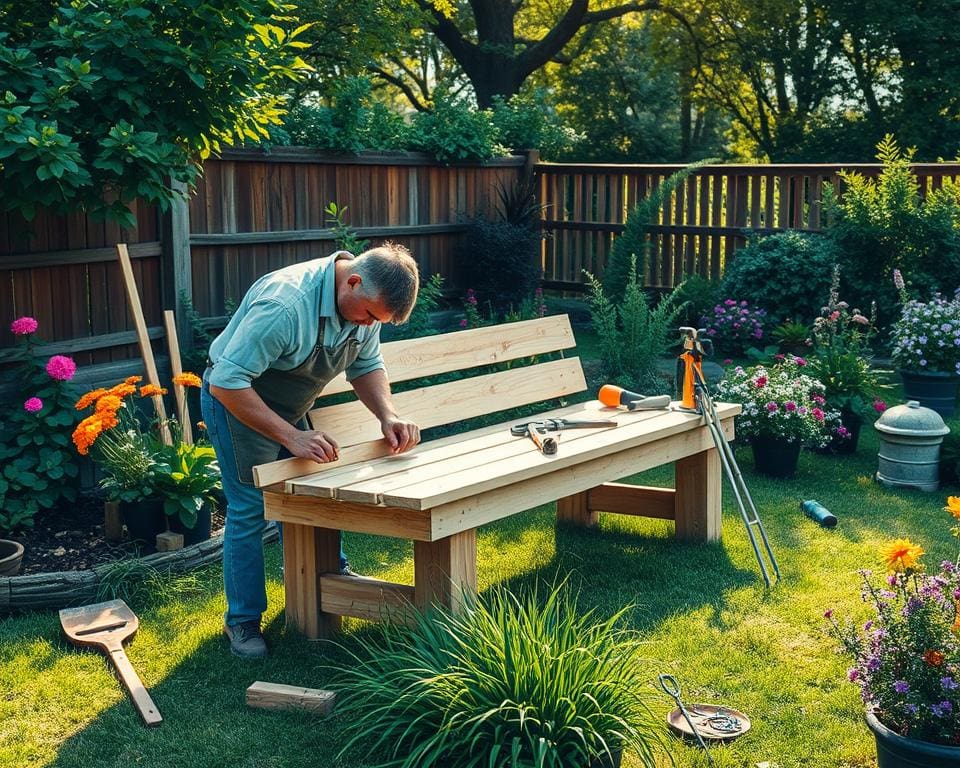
348	571
246	639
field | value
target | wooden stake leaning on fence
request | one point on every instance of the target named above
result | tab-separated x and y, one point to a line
136	309
183	410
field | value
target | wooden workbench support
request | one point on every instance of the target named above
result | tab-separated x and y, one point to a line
640	500
445	570
308	554
366	598
262	695
699	485
575	510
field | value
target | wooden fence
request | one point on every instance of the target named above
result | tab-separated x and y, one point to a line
701	225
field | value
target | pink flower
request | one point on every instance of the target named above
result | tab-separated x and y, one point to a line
24	326
879	406
843	432
860	319
898	280
463	323
33	405
818	399
760	382
771	407
817	414
61	368
800	361
790	406
727	361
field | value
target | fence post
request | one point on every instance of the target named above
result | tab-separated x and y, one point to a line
176	257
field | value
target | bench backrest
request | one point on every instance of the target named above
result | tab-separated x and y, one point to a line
452	401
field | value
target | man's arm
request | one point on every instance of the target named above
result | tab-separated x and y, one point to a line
373	389
248	407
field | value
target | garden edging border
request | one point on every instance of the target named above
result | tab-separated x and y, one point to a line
62	589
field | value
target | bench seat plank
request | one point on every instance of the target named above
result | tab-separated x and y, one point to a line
650	426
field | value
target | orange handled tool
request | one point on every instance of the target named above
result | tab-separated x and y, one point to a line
613	397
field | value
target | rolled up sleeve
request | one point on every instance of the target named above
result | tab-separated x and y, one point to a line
265	334
369	358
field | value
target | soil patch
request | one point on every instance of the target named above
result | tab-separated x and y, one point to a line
70	537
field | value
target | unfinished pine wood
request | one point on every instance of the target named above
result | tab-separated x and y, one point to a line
308	553
173	347
273	472
454	401
462	350
641	500
699	486
275	696
365	598
650	427
336	475
347	516
574	510
168	541
497	503
445	571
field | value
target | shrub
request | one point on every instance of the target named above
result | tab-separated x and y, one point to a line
733	325
786	274
428	300
698	295
633	337
511	682
884	224
454	132
38	467
118	96
526	122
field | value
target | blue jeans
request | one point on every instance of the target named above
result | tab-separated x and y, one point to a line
244	581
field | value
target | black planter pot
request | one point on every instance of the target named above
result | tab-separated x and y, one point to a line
896	751
199	532
144	520
775	457
934	390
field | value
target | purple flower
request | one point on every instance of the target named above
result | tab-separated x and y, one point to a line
901	686
948	683
827	614
852	674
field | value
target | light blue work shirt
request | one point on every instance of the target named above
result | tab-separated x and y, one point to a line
276	326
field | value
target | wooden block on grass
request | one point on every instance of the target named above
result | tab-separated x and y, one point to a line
112	522
290	697
168	541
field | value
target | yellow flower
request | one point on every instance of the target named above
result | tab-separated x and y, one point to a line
187	380
89	398
148	390
953	506
901	555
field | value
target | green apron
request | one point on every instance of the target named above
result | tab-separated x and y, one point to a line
290	394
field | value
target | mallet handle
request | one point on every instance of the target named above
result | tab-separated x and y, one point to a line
131	680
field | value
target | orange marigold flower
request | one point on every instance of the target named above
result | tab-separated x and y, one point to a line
187	380
89	398
956	620
901	555
202	425
149	390
133	380
122	390
933	658
109	404
953	506
86	433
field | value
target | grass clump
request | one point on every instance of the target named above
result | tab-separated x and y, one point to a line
515	680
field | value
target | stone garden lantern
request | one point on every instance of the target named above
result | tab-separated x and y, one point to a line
910	438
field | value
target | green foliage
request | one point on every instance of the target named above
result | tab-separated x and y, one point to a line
513	681
950	454
786	274
453	132
102	101
884	224
428	300
526	121
347	239
633	337
187	477
38	466
631	248
698	295
354	121
791	333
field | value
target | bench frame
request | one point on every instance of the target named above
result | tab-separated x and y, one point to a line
443	528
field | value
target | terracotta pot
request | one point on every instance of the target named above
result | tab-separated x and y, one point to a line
896	751
775	457
11	556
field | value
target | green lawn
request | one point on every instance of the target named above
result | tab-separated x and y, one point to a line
703	608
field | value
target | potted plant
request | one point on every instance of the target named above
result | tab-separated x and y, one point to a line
792	337
511	680
906	658
841	361
783	409
926	348
149	477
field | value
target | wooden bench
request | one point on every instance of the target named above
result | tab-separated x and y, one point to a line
439	494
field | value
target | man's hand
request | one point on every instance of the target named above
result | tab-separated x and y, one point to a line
311	444
400	434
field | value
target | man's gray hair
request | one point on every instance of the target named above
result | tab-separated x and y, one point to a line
390	272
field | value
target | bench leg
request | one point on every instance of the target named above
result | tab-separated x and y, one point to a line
698	500
575	510
445	570
309	552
